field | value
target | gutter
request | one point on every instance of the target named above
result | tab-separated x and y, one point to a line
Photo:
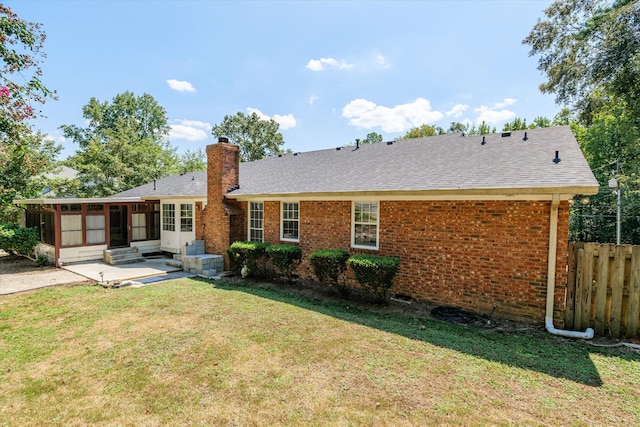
551	277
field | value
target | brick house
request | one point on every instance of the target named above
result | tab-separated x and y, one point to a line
476	220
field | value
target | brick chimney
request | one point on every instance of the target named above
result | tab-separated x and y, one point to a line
223	166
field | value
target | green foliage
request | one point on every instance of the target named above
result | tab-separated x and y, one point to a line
124	145
23	152
372	138
253	255
329	266
286	258
257	138
18	239
420	132
192	161
588	50
611	144
42	260
375	273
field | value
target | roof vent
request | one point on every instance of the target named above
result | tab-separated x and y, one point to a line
506	134
338	148
525	137
223	139
483	141
295	154
279	155
557	158
389	142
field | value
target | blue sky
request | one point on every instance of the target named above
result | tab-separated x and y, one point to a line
328	71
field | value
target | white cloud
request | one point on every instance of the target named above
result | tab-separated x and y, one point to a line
382	62
492	116
313	99
366	114
191	130
181	86
505	103
322	63
457	110
285	122
59	139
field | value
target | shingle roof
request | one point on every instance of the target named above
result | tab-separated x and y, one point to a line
449	162
186	184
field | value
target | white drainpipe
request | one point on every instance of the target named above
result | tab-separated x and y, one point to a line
551	277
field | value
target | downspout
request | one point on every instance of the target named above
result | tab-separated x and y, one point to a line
551	277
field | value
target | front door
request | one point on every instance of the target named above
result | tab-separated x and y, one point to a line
118	226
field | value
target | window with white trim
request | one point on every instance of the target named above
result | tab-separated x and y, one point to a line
290	221
256	221
168	217
365	225
186	217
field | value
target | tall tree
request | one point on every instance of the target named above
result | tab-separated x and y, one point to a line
420	132
372	138
257	138
124	145
23	153
590	50
192	161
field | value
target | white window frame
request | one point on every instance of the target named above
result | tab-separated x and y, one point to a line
283	219
168	221
361	222
186	217
250	220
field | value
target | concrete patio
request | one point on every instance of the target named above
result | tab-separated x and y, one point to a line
155	268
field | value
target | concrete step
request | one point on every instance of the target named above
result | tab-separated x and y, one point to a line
130	260
174	263
111	256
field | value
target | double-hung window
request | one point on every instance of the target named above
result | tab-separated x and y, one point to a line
290	221
186	217
256	221
365	225
168	217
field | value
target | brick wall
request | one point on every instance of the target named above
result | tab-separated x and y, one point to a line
222	175
470	254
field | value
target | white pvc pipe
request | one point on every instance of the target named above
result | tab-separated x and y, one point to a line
551	277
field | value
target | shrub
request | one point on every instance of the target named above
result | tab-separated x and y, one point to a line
375	273
286	258
329	266
251	254
18	239
42	260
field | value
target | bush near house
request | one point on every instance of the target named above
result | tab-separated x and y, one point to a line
286	258
253	255
375	273
329	266
18	239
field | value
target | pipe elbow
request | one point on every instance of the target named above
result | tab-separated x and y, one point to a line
586	335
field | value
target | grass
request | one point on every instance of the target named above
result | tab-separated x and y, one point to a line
189	352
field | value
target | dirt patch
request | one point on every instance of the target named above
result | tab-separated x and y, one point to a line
19	274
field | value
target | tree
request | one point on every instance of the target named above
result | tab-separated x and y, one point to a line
590	51
124	145
192	161
257	138
420	132
611	144
372	138
23	153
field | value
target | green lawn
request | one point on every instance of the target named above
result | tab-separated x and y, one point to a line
189	352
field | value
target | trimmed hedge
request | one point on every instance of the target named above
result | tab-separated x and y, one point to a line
18	239
251	254
286	258
329	266
375	273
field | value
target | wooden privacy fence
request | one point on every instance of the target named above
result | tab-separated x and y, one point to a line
603	289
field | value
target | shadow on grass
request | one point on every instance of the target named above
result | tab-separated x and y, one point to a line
530	349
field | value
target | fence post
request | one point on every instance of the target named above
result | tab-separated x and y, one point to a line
634	294
570	296
601	289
